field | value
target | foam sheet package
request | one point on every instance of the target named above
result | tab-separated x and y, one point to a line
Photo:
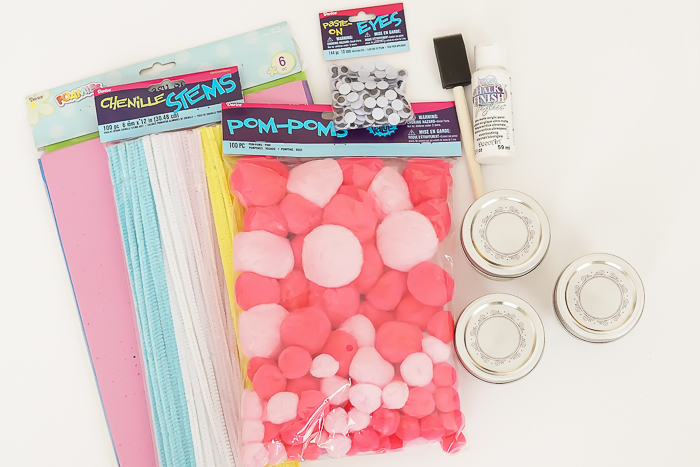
343	284
76	172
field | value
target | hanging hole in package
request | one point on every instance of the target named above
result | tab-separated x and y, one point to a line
371	94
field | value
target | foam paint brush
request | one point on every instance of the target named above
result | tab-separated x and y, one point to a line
454	74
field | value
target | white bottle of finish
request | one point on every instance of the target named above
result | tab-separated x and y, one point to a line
492	101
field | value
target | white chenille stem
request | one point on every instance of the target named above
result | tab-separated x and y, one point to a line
465	127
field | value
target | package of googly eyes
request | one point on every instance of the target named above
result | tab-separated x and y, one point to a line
369	94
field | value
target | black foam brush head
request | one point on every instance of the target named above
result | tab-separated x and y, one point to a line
452	61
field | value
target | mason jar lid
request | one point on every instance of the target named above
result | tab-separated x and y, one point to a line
505	234
499	338
599	298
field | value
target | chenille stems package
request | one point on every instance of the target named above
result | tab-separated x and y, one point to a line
344	281
153	136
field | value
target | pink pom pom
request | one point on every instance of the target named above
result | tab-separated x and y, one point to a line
453	442
387	292
368	366
254	455
360	171
276	453
294	291
337	446
365	397
446	399
430	284
268	381
251	406
395	395
253	289
272	431
311	452
372	268
305	383
259	330
431	427
444	374
438	213
293	433
390	190
337	421
253	431
339	303
312	405
408	429
410	310
301	215
420	403
452	421
442	326
428	178
395	443
361	328
294	362
342	347
263	253
385	421
396	340
317	180
365	440
307	328
353	209
331	256
324	366
268	218
359	420
417	369
255	363
405	239
336	389
377	317
258	181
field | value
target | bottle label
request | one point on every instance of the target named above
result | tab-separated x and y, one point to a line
493	113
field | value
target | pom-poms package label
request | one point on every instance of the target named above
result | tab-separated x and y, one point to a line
67	112
360	32
133	110
308	131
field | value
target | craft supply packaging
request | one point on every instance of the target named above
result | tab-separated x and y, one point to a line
156	156
76	171
344	281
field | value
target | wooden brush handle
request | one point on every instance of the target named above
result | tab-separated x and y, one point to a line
465	127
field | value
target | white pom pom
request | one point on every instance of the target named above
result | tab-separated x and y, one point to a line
317	181
263	253
405	239
391	191
331	256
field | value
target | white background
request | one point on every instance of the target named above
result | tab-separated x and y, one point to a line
606	113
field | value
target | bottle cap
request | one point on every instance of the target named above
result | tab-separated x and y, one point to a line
599	298
488	55
499	338
505	234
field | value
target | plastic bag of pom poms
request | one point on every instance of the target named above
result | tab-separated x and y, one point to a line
344	283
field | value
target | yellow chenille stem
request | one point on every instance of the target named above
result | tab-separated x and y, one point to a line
227	219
